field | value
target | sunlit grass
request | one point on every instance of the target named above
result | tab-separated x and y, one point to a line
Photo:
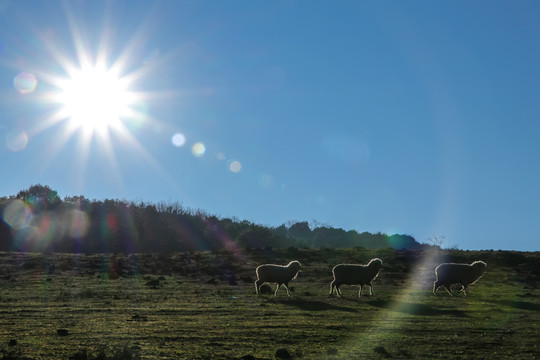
181	306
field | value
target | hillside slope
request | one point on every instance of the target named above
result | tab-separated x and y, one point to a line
202	305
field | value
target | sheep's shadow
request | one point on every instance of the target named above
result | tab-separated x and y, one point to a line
316	305
518	305
415	308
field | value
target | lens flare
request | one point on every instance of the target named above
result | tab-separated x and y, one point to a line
235	166
77	223
16	140
178	140
17	214
266	181
198	149
25	82
46	229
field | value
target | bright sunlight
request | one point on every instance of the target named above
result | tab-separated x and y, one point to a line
94	99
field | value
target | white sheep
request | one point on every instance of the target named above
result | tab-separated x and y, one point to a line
353	274
462	274
278	274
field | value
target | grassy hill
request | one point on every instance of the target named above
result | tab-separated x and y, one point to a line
202	305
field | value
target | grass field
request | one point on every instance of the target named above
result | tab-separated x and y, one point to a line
203	306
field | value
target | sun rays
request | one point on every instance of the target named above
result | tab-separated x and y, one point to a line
91	95
97	105
94	99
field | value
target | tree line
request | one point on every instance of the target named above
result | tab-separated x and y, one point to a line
37	219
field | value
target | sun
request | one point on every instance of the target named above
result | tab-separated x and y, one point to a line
94	91
94	98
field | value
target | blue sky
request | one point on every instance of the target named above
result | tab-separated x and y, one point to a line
414	117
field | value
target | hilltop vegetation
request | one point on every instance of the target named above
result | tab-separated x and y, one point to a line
37	219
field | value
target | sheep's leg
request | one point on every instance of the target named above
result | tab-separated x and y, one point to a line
360	291
335	288
278	286
287	288
437	286
370	290
258	284
463	288
448	290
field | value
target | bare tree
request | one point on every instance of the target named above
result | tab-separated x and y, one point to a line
436	240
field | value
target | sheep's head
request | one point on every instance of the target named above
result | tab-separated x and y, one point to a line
375	263
479	267
294	267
